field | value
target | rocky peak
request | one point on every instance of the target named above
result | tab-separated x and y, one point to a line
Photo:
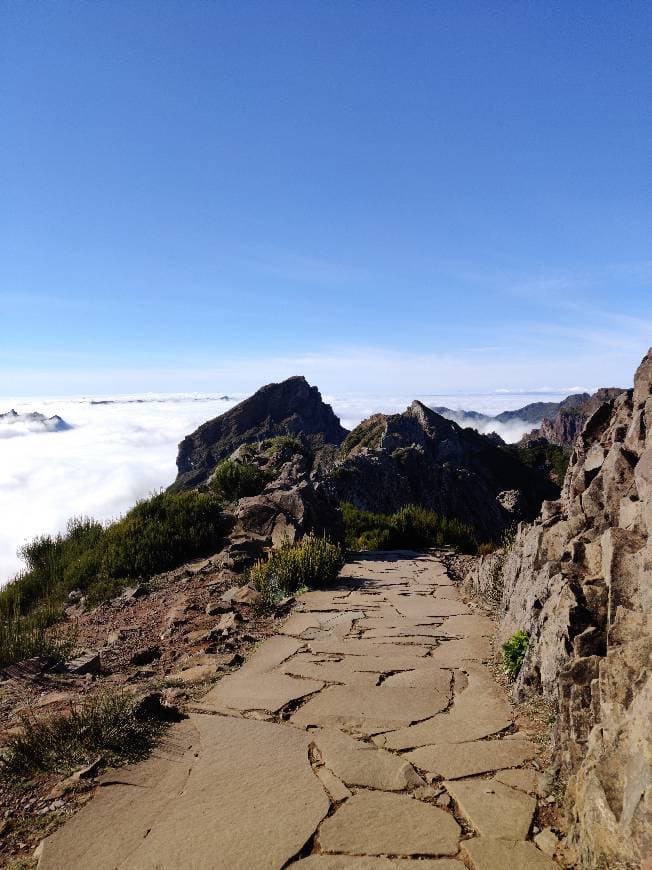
420	457
291	407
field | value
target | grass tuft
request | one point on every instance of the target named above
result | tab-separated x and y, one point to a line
109	725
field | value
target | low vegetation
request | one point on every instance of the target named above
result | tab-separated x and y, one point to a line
22	637
367	434
550	458
514	651
234	480
111	726
157	534
412	527
310	563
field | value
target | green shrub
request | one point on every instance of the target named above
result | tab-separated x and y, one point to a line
312	562
109	725
162	532
412	527
284	444
234	480
157	534
514	651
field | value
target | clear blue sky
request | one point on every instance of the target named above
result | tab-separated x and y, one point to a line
384	195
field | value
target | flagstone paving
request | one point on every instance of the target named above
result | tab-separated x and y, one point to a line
369	734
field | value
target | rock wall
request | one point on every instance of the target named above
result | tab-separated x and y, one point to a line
579	581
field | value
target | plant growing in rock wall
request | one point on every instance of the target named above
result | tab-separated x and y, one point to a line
514	651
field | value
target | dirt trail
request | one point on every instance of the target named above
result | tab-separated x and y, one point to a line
367	734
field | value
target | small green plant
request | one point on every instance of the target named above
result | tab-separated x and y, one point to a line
514	651
412	527
234	480
312	562
109	725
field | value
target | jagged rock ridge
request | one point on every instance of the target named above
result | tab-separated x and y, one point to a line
419	457
291	407
564	426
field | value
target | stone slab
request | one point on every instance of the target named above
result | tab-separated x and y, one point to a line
468	626
493	809
354	862
456	760
368	709
425	679
192	807
253	691
378	823
361	764
487	854
454	653
478	712
524	779
414	606
344	671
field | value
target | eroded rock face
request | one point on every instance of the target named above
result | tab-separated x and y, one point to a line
292	407
565	425
579	581
419	457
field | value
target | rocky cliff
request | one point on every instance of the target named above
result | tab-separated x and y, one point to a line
291	407
419	457
563	427
579	582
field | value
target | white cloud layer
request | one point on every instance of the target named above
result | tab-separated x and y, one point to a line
119	452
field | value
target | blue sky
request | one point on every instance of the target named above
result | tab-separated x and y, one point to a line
385	196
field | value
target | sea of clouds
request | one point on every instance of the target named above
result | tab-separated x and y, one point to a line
121	448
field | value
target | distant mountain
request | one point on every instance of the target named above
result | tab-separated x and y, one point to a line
564	426
557	422
14	423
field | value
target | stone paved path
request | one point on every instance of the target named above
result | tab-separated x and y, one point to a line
367	734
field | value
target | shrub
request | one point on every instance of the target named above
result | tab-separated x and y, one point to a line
234	480
312	562
285	444
109	725
412	527
159	533
514	651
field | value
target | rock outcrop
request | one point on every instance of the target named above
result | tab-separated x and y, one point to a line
294	503
579	582
419	457
291	407
564	426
